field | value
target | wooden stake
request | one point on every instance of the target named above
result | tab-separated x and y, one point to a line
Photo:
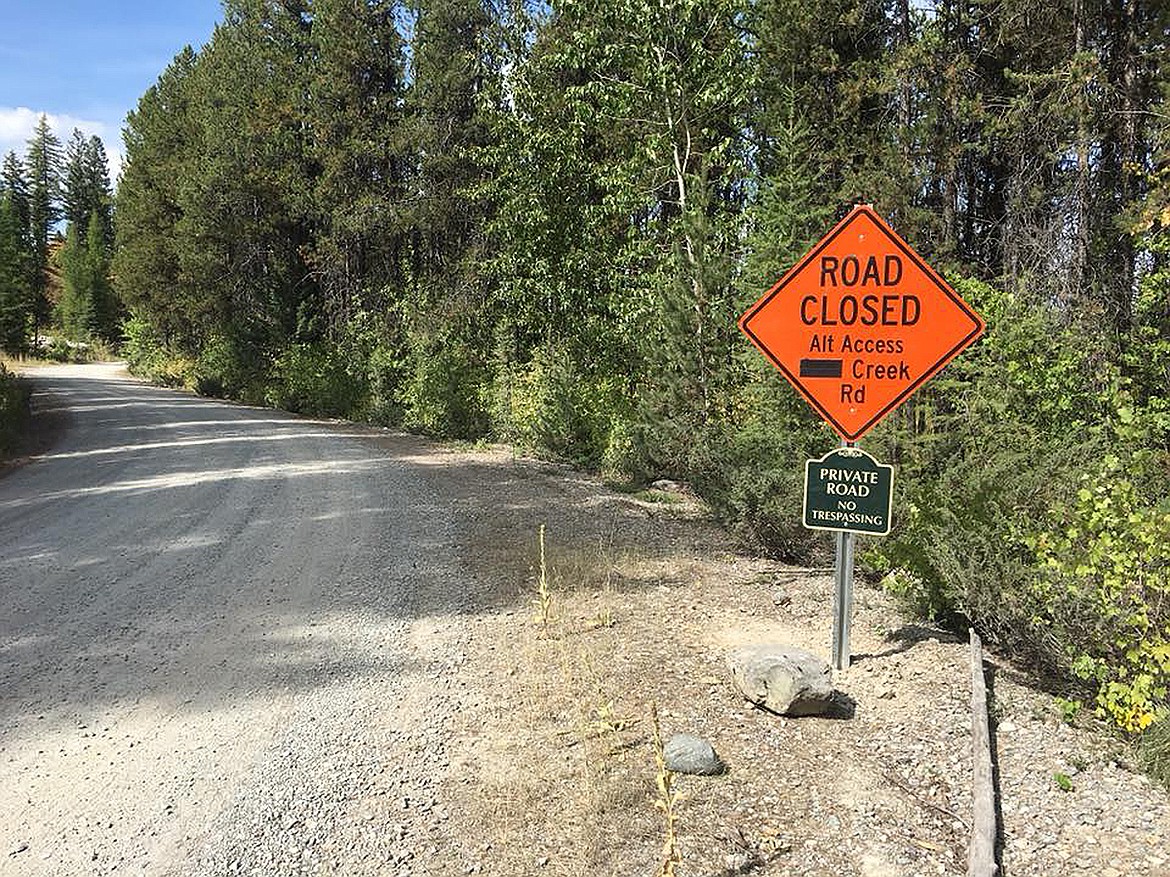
981	852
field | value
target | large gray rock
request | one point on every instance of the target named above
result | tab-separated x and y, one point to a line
783	679
694	755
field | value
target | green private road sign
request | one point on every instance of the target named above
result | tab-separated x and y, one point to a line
848	490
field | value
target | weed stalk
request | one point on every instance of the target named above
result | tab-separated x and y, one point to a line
543	594
666	802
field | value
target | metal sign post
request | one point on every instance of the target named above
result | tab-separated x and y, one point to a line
843	597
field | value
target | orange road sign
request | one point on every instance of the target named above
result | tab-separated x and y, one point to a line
860	323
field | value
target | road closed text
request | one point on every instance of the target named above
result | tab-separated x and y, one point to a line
838	306
866	310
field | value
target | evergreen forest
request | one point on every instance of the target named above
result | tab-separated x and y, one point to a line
537	223
56	243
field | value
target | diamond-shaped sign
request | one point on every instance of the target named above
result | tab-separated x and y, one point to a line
860	323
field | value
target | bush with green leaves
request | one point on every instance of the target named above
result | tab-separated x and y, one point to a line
552	404
317	379
1029	500
62	350
14	395
982	453
749	465
229	367
1103	590
148	356
446	392
385	368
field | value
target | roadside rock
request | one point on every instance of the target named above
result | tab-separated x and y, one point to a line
784	679
691	755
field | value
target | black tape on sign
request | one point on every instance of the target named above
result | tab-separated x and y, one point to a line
820	368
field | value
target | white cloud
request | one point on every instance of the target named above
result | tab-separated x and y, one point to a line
17	125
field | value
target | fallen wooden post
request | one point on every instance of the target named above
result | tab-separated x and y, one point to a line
981	852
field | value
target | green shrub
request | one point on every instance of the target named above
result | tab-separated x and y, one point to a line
446	389
554	405
996	519
317	379
96	349
230	367
148	356
142	344
1104	587
749	466
384	373
14	396
958	546
60	350
981	455
619	459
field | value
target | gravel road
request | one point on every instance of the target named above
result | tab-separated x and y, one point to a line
228	641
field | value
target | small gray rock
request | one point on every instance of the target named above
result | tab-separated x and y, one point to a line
784	679
692	755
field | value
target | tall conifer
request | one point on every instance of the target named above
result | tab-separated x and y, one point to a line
359	194
15	298
161	146
14	182
44	177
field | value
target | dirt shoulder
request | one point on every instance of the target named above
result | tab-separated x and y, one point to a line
552	770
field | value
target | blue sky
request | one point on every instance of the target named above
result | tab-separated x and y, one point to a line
85	64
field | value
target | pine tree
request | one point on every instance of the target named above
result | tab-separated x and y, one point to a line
76	198
789	211
97	172
44	176
245	233
359	195
15	299
161	145
14	182
76	311
445	129
106	313
85	189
